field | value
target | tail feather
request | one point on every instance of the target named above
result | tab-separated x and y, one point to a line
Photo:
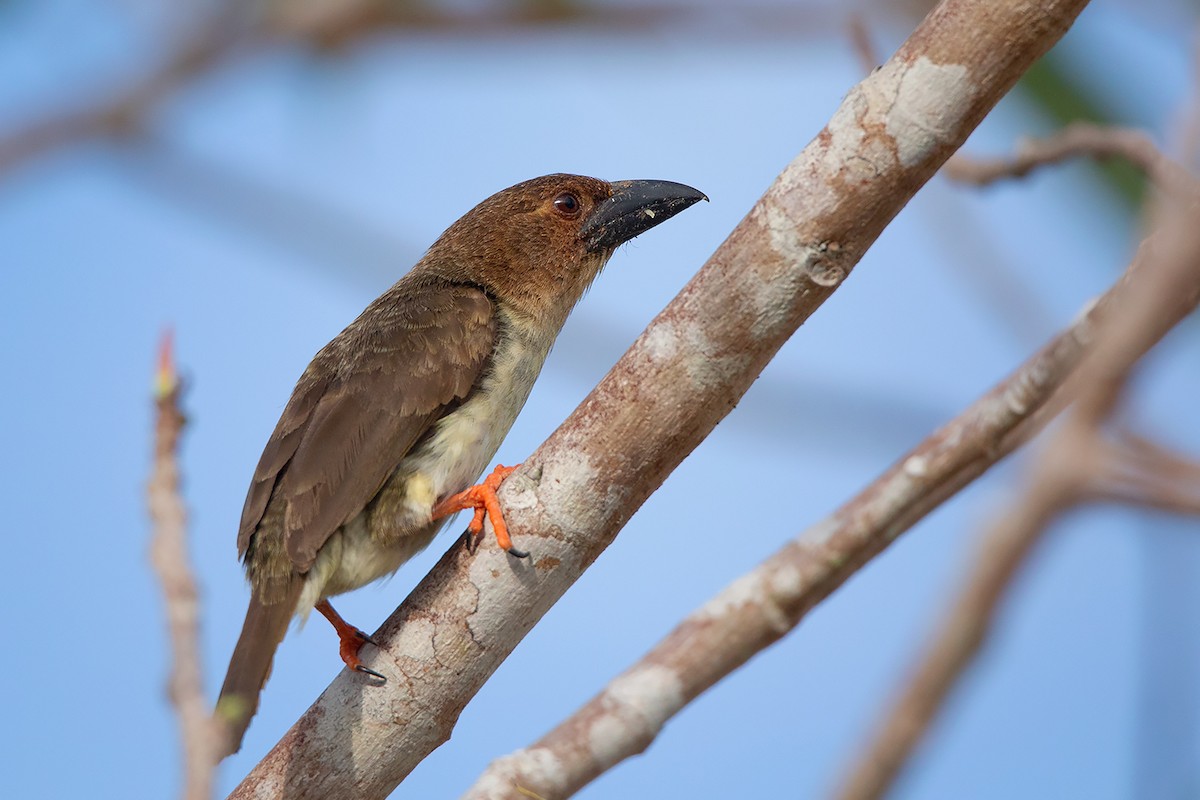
263	630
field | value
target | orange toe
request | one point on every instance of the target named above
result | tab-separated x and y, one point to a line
350	639
482	498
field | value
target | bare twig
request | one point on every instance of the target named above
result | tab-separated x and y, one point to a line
168	555
1077	139
685	373
1135	471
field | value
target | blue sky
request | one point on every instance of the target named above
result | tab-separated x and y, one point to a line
379	149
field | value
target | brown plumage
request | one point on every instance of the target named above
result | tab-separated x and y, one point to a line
408	404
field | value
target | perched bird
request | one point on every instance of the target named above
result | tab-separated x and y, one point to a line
395	418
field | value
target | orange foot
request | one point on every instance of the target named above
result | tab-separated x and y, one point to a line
352	639
482	499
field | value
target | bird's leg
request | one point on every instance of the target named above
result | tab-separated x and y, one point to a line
482	499
352	639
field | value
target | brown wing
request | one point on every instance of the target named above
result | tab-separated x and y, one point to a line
363	402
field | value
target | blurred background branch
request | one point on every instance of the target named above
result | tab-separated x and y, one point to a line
169	558
219	33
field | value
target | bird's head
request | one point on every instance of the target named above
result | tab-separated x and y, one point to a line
539	244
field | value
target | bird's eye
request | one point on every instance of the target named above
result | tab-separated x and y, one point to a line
566	204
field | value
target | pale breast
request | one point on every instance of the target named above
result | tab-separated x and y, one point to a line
462	444
465	441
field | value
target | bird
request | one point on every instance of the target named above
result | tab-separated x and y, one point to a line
395	419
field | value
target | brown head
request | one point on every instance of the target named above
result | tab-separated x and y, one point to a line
538	245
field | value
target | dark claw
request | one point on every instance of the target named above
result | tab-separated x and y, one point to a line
515	553
371	672
472	540
367	638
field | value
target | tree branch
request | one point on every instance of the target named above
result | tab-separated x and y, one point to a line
168	555
1075	140
681	377
1135	471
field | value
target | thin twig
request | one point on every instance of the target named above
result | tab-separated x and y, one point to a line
1134	471
168	555
1073	141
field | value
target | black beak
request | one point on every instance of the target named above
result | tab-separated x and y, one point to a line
635	207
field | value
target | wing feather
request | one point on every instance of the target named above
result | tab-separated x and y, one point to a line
362	404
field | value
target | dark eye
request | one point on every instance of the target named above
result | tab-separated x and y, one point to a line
566	204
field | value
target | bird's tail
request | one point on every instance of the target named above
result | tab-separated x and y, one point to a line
263	630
